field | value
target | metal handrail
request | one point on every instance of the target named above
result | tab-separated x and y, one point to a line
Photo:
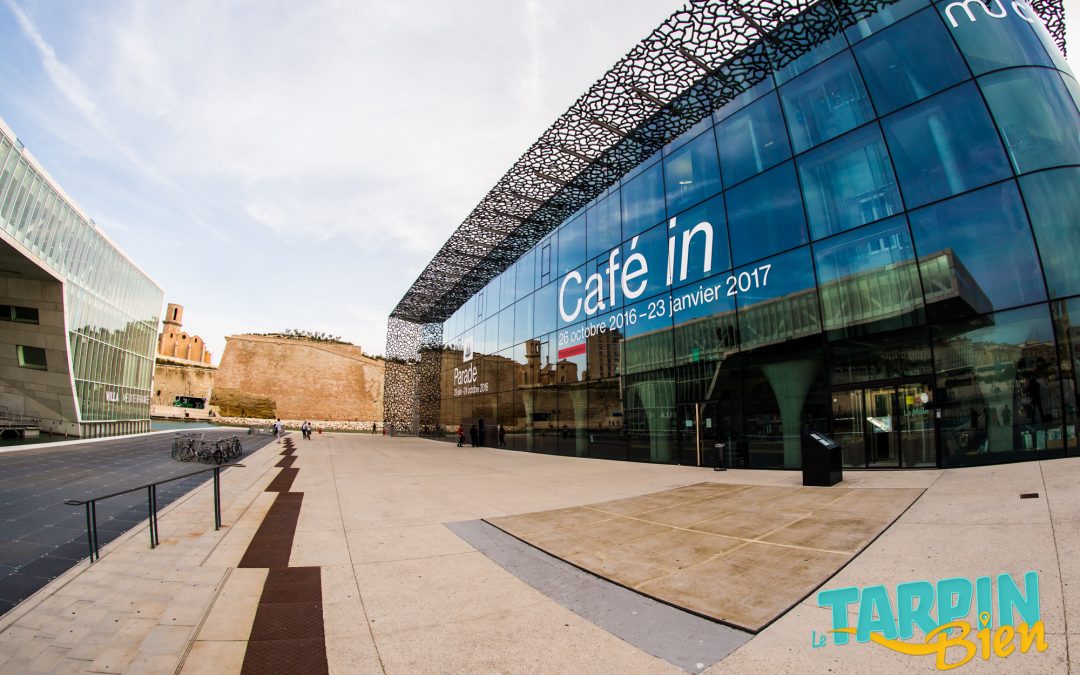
151	505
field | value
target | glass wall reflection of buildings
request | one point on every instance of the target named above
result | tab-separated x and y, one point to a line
894	235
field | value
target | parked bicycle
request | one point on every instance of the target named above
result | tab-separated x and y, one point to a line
193	447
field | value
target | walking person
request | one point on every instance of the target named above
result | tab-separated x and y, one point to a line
278	428
502	436
460	435
472	435
374	427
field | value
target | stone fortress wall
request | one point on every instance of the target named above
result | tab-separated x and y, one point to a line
178	377
266	377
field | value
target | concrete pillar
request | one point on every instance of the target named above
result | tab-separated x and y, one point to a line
790	382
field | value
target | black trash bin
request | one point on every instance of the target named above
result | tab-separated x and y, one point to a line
822	462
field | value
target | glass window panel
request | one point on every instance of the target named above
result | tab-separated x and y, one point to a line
32	357
689	134
777	299
643	201
1066	315
646	327
1036	116
754	81
825	102
692	172
701	242
944	145
993	35
864	19
11	196
1048	43
570	296
651	246
491	297
765	215
976	253
604	226
1000	397
705	325
523	320
506	328
752	140
506	291
800	44
607	437
868	279
5	153
572	245
848	182
545	315
545	253
649	163
525	274
910	61
1053	203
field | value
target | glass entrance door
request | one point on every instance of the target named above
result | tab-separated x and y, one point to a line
882	441
887	426
698	433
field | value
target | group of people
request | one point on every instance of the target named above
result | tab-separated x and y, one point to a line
476	435
279	429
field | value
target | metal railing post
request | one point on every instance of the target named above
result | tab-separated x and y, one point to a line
217	498
89	533
93	520
150	512
152	499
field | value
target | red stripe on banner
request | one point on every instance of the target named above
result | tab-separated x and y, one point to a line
572	351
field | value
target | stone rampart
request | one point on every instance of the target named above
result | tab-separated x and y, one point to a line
299	379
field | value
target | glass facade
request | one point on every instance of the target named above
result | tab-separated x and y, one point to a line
111	307
876	239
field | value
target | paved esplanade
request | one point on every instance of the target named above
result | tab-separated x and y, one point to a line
41	537
394	589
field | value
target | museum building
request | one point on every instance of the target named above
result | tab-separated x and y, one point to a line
78	319
860	217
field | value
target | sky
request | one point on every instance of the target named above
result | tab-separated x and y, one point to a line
277	164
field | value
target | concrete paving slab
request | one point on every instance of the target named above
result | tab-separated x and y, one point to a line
741	554
683	640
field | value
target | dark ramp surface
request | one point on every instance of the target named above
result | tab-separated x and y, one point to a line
41	537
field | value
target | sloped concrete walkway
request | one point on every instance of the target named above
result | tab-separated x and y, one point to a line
402	593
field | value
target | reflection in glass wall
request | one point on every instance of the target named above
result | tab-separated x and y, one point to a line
865	249
999	393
